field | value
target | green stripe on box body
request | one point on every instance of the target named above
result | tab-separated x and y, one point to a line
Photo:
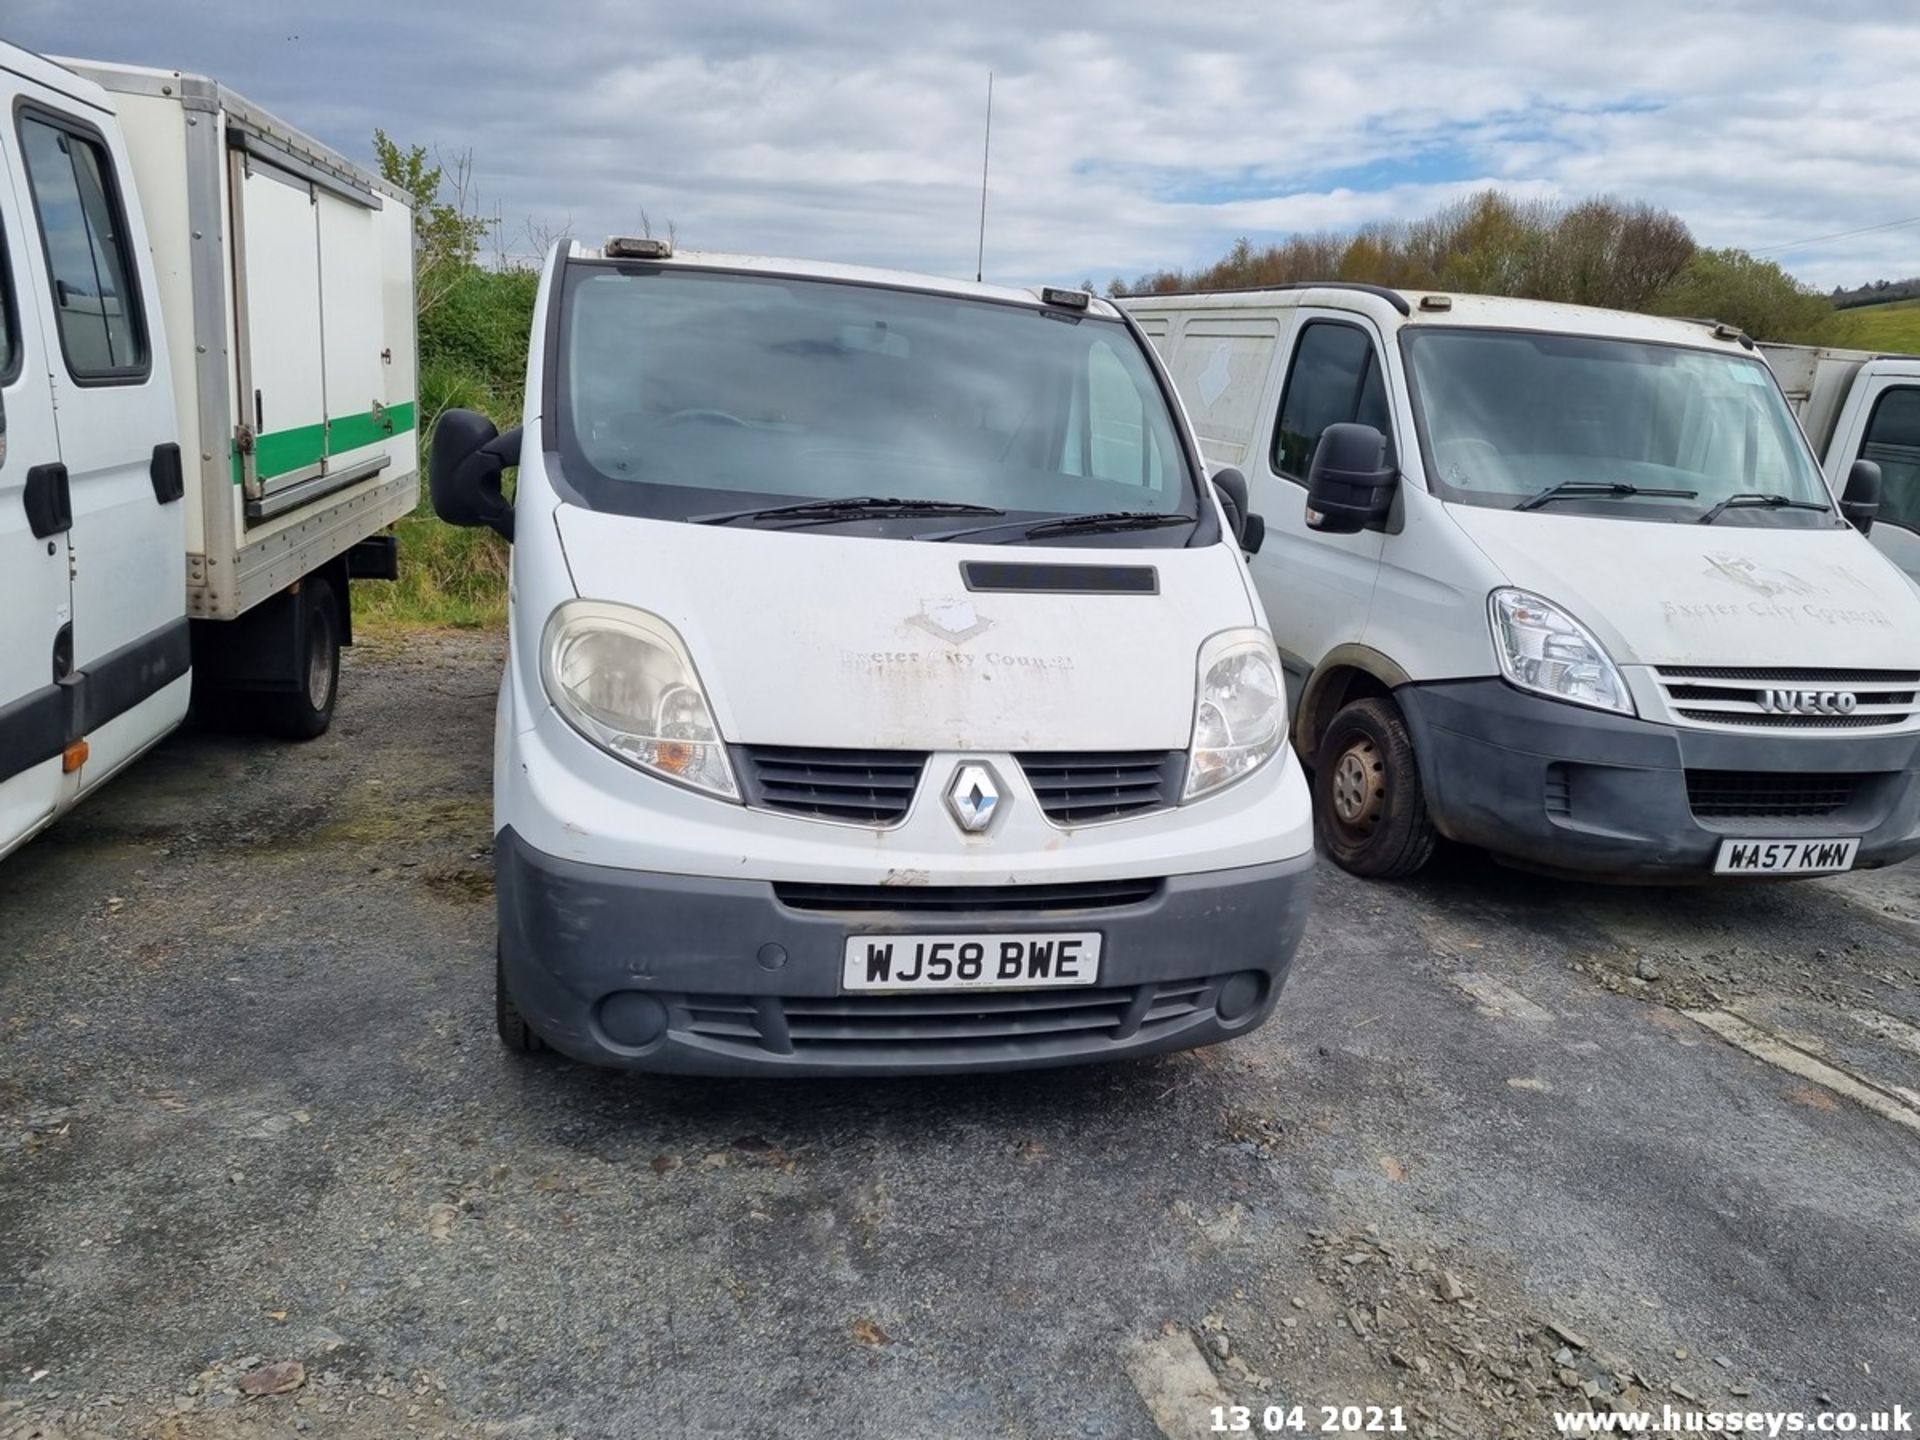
280	452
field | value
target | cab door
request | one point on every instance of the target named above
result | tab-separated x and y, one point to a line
36	602
1317	588
1881	423
114	418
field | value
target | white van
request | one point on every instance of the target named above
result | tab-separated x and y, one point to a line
885	689
1562	583
1857	405
196	455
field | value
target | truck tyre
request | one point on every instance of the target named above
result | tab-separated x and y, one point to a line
515	1033
1367	801
305	713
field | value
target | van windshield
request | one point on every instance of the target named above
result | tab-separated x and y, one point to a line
1505	416
689	395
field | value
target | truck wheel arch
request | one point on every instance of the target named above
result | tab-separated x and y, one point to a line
1347	673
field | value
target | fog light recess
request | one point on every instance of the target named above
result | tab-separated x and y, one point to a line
632	1019
1240	996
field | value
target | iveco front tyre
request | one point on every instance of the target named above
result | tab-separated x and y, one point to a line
305	712
1367	801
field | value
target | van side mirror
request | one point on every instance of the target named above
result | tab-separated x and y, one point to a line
464	468
1249	529
1861	500
1349	484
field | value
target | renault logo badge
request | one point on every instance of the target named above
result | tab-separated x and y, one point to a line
973	797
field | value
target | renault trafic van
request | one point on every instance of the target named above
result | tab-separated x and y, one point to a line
885	691
1562	583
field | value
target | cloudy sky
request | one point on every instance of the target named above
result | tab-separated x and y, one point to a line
1127	136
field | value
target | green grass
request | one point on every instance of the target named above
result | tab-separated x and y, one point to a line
449	577
1892	326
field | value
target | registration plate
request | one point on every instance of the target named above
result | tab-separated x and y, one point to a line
1785	857
971	962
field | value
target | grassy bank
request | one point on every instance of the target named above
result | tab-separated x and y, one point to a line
473	356
1894	326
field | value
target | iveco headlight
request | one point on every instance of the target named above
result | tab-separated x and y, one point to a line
623	679
1239	713
1544	649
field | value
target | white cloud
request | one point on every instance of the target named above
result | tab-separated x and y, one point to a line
1126	137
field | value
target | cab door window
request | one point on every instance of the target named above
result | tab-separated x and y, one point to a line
9	332
1893	442
89	257
1109	437
1335	378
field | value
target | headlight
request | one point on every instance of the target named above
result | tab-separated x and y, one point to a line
623	679
1546	650
1239	712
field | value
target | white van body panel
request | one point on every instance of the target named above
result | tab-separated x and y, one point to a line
1685	595
1429	610
916	662
286	271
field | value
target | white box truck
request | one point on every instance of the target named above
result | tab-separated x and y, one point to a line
207	377
1561	583
1857	405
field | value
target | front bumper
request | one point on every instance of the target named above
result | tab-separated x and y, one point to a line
722	977
1563	788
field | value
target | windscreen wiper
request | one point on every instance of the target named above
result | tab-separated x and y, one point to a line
1770	502
851	507
1089	524
1596	489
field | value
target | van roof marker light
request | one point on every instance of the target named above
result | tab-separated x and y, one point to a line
1069	299
1436	302
631	247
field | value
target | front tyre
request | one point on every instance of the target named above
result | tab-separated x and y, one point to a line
1368	807
515	1033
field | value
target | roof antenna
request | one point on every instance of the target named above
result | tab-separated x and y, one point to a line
986	154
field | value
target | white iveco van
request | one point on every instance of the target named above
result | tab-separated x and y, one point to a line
1563	583
886	691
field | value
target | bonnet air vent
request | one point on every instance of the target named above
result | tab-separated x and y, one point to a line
1036	579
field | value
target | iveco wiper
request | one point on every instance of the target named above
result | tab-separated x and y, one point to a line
1089	524
1769	502
1596	490
851	507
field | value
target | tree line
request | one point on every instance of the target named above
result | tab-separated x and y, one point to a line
1601	251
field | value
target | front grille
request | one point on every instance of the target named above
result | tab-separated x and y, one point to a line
1761	795
1737	696
883	1026
864	787
1048	899
1081	787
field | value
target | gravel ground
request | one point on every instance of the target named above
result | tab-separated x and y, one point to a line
265	1171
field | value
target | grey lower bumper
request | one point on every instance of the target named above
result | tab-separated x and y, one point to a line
721	977
1562	788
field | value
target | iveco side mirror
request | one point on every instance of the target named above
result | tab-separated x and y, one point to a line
1248	528
464	469
1861	500
1349	484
